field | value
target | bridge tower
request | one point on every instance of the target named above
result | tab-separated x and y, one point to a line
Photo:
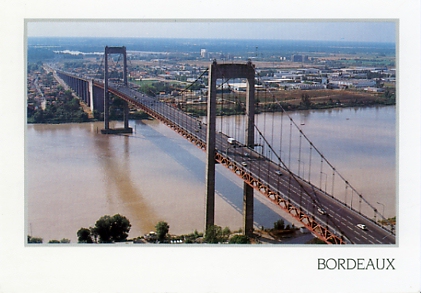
126	129
228	71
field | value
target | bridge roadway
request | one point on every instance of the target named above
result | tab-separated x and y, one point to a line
340	219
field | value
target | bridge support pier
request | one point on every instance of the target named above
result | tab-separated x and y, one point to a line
248	209
107	130
227	71
210	150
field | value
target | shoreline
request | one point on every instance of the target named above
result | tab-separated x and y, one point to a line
143	116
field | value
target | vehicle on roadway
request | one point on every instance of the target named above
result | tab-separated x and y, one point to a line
321	211
244	164
277	172
231	140
362	226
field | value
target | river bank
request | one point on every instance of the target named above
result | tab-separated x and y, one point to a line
295	100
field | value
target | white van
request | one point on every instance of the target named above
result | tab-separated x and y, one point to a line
231	140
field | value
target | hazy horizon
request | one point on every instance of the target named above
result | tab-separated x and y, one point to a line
311	30
211	39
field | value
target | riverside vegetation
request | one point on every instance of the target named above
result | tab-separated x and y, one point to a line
115	229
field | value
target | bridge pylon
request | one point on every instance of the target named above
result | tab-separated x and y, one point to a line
126	129
218	71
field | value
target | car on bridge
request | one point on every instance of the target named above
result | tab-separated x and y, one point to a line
321	211
362	226
231	140
277	172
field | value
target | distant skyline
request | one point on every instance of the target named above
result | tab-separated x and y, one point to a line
324	30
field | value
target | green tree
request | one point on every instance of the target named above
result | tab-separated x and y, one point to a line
214	234
226	232
120	228
239	239
279	225
84	236
103	229
111	228
148	89
162	229
305	101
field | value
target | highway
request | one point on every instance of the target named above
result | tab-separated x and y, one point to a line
321	207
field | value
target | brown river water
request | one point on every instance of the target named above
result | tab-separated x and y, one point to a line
75	175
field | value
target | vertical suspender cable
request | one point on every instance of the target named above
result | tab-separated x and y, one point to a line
289	155
236	116
321	172
256	119
264	108
281	134
273	118
309	164
221	111
290	142
299	156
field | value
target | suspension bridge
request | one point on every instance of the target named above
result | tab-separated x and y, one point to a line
291	172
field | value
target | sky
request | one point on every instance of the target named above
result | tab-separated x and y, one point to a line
365	31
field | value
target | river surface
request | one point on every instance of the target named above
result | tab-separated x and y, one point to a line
75	175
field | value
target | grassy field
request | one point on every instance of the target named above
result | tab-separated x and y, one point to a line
234	103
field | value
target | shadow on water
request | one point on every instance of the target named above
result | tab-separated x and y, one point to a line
117	177
228	190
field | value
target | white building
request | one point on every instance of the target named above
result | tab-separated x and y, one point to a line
204	53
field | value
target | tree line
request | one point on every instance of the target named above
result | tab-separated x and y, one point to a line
64	109
116	228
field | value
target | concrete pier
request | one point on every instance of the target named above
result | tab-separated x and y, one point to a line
117	130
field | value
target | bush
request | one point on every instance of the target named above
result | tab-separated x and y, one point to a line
108	229
213	234
34	239
239	239
226	232
279	225
162	229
